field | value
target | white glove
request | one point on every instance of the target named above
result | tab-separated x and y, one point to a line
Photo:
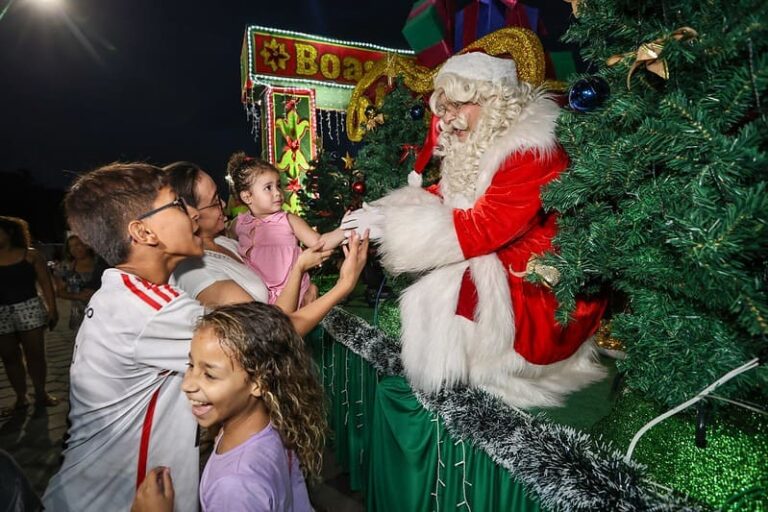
368	217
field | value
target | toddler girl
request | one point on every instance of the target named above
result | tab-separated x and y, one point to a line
250	373
267	235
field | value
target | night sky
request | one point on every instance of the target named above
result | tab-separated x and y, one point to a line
150	80
154	80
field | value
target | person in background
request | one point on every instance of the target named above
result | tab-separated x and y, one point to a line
77	278
23	314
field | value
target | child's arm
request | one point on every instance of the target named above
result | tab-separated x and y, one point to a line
303	231
355	256
333	239
289	296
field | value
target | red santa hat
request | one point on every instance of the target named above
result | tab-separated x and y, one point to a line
470	66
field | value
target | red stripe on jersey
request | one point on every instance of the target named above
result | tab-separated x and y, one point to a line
156	289
171	289
140	294
146	430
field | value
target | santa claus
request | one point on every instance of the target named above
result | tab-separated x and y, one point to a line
473	317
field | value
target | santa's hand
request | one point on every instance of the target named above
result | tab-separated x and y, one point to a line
366	218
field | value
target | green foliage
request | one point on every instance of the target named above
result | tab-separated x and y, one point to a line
378	164
665	201
328	192
380	158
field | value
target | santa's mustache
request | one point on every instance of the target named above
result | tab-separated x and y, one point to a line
459	123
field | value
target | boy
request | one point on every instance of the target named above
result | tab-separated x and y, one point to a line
128	413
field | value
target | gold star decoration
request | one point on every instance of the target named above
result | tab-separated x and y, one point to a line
349	161
374	121
274	55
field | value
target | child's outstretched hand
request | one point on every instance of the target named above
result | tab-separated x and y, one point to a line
313	256
355	256
155	494
333	239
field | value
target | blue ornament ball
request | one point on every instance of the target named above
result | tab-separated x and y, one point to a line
417	112
588	93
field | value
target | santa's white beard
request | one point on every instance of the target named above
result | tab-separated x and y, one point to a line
461	159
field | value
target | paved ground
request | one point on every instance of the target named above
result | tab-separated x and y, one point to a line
34	436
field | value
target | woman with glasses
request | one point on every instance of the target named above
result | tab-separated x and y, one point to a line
23	316
220	276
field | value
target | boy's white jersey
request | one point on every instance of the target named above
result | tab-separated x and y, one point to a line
127	411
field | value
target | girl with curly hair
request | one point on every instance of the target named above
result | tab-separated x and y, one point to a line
250	373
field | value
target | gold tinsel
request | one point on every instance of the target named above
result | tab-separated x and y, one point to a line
522	45
603	338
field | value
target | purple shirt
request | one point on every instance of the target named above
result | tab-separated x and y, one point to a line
255	476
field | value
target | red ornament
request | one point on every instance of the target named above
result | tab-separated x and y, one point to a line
293	185
358	187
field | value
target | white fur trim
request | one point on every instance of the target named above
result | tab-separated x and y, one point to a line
522	384
414	179
434	339
441	349
480	66
494	314
418	237
534	130
407	196
438	345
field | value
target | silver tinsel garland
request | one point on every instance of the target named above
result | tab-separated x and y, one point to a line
566	469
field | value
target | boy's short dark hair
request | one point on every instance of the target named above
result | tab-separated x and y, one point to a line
101	203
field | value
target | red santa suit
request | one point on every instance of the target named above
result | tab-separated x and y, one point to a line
471	318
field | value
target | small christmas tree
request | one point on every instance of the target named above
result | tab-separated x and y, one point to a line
665	201
392	141
393	138
328	193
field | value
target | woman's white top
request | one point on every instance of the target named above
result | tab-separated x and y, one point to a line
194	275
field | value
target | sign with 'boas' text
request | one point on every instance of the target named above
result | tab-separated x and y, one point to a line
280	53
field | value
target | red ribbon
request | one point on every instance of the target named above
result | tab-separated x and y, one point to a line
425	154
407	150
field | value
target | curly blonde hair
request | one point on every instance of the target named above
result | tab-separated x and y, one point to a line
263	341
502	104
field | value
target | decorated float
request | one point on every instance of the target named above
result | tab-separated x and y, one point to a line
680	422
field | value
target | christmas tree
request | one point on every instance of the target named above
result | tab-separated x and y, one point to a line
394	133
665	202
328	192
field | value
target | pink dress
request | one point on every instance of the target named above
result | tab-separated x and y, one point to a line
269	248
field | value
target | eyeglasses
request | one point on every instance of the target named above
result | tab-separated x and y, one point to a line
452	107
177	203
217	203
